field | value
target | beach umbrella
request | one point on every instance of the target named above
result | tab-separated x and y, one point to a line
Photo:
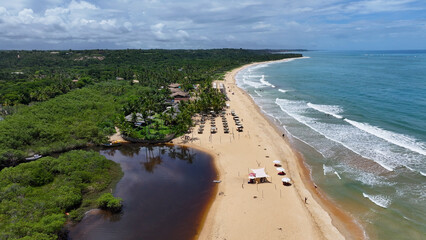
277	161
285	180
280	169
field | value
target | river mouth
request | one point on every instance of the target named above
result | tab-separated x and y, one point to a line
165	189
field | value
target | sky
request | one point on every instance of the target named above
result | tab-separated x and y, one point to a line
194	24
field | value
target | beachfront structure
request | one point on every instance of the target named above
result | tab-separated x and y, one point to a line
138	119
174	85
180	96
258	174
177	93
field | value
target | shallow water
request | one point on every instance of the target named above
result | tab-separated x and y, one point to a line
358	118
165	191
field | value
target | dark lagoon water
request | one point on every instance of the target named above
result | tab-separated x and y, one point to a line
359	119
166	190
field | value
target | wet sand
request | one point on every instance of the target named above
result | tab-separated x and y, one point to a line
266	210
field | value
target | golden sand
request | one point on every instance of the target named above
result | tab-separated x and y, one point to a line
266	210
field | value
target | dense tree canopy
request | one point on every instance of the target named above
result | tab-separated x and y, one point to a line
35	196
72	120
58	101
76	97
27	76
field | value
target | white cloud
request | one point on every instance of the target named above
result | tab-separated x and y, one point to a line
26	16
181	34
375	6
74	5
157	30
3	11
164	33
202	23
261	25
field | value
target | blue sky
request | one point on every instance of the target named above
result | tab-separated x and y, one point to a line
118	24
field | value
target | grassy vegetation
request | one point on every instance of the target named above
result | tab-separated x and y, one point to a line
35	196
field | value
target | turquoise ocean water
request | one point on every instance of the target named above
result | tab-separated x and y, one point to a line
359	119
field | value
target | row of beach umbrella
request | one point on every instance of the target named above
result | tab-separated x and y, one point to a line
281	171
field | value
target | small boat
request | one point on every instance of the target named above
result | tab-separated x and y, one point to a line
112	144
34	157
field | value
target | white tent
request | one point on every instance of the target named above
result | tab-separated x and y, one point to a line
260	173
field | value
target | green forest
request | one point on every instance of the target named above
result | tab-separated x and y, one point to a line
35	196
28	76
86	93
52	102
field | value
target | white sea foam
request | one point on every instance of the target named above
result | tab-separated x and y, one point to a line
266	83
368	178
282	90
379	200
327	109
327	169
414	170
357	141
395	138
337	174
251	83
260	95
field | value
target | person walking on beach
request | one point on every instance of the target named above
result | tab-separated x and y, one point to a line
306	200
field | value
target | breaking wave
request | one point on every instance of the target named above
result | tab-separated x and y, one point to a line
395	138
379	200
327	109
264	82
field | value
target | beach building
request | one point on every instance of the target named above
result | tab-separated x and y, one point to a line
174	85
180	96
177	93
138	119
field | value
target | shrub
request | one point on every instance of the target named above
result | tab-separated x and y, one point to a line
108	202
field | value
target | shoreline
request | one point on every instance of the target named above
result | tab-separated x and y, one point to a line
320	218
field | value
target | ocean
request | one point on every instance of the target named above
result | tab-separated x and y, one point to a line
359	120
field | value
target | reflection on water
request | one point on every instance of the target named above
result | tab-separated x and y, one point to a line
165	190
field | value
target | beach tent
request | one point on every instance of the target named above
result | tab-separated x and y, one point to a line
259	174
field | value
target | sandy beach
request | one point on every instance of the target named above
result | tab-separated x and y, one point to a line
266	210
